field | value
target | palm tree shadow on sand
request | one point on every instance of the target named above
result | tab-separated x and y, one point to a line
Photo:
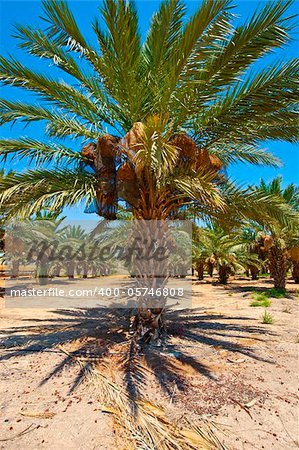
100	334
98	340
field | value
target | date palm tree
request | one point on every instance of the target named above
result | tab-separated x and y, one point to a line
229	251
201	258
253	235
281	242
150	124
198	260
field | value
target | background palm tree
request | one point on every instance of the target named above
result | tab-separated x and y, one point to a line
180	107
229	251
280	242
253	235
198	260
73	237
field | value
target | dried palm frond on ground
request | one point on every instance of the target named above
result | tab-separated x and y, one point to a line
146	423
39	415
25	431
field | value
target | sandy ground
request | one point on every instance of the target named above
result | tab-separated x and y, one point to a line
221	363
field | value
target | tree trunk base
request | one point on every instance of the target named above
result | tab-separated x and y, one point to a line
200	270
223	274
148	327
278	266
295	271
254	272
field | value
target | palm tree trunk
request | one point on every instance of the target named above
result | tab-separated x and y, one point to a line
15	269
295	271
210	268
71	270
84	270
254	271
43	273
278	266
200	270
57	270
223	273
149	324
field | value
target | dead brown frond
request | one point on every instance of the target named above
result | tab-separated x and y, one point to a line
39	415
142	423
31	427
147	423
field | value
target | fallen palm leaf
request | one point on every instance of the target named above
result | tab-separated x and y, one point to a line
236	361
107	409
151	408
251	403
39	415
241	406
146	423
26	430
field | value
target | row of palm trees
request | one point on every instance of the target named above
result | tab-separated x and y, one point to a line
243	251
53	248
251	247
216	249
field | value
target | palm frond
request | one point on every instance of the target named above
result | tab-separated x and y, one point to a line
61	94
289	194
230	153
121	55
266	30
40	44
221	60
269	95
166	27
27	193
64	31
59	124
155	153
201	188
254	204
185	48
38	151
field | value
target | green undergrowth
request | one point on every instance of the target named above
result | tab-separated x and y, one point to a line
262	298
277	293
267	318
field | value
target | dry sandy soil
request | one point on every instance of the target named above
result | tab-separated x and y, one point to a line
221	363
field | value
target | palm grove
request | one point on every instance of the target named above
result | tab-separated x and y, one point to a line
180	106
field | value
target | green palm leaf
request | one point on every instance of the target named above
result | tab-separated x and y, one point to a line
35	190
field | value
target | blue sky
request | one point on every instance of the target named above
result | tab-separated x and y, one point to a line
29	12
